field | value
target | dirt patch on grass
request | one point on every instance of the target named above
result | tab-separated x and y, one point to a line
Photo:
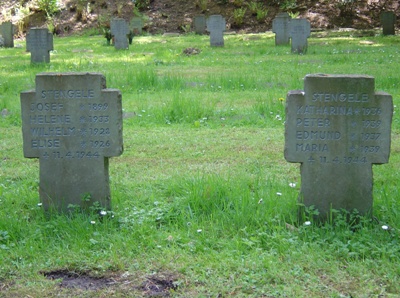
75	280
156	285
159	286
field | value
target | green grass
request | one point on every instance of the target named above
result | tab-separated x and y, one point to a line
202	194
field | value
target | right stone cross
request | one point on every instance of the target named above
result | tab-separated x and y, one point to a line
39	42
280	26
299	31
337	128
120	31
216	26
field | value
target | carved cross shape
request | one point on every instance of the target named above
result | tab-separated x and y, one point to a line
337	128
39	42
73	124
120	31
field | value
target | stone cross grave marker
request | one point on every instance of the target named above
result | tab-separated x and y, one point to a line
388	20
120	31
280	26
7	31
200	24
136	26
216	26
299	31
337	128
39	42
73	124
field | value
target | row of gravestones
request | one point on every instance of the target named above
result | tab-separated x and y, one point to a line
337	127
121	31
284	27
40	41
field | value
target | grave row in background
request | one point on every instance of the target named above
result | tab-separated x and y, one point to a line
286	29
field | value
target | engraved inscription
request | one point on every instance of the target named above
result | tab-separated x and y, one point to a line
52	123
321	124
337	128
73	123
340	97
67	94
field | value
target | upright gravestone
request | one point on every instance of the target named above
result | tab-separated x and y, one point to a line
280	26
388	20
216	26
136	26
39	42
337	128
200	24
73	124
120	31
299	31
7	31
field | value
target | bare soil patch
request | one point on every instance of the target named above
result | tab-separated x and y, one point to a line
75	280
156	285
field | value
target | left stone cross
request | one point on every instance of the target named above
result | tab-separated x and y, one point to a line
73	124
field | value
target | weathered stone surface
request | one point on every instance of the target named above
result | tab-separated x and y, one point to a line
7	32
120	31
337	128
388	21
73	124
200	24
216	26
299	31
39	42
136	26
280	26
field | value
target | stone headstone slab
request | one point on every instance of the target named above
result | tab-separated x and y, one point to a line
216	26
73	124
136	26
39	42
388	20
280	26
299	31
120	31
337	128
7	31
200	24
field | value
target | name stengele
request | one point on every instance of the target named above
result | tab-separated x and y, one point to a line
340	97
67	94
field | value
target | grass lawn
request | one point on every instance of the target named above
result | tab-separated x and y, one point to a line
203	202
